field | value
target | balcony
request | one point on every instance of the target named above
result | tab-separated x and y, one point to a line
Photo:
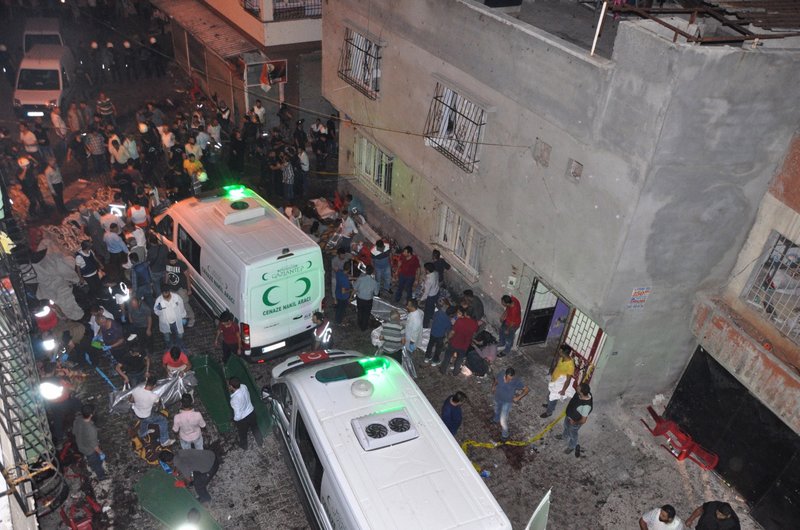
296	9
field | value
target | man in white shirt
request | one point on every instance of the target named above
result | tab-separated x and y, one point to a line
244	415
413	332
663	518
430	293
261	113
144	399
170	311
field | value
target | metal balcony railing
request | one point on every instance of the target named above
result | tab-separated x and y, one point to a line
296	9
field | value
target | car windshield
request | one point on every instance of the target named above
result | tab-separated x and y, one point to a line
38	80
34	39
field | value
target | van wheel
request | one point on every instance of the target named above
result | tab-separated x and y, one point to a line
298	487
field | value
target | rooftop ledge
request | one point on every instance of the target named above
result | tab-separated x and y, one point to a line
762	362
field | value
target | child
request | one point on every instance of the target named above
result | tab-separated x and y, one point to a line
231	340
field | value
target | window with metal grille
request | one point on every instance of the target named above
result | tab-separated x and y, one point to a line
295	9
457	235
360	64
454	127
252	6
374	165
774	286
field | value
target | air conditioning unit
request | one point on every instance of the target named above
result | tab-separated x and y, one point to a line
375	431
237	210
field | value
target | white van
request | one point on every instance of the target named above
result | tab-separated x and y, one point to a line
369	451
40	30
45	80
246	257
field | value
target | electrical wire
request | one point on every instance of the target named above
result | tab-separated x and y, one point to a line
313	112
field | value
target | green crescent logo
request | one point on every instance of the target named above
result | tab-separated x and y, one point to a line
307	283
266	299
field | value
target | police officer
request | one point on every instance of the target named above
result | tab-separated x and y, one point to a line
128	60
6	65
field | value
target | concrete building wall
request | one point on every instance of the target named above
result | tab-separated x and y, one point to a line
678	144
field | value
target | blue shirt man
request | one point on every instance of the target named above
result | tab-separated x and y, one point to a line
507	390
342	295
451	411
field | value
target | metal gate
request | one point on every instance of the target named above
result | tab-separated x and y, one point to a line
586	338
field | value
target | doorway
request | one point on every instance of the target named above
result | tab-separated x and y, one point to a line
759	455
546	316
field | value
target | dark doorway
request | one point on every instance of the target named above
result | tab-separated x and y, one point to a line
758	454
544	308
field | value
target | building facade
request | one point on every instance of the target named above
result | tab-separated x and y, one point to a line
619	186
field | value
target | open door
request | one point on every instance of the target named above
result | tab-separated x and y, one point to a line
538	520
545	317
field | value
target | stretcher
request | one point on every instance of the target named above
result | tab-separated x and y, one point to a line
159	497
213	391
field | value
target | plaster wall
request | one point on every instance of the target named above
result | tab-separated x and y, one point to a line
536	214
675	161
719	146
242	19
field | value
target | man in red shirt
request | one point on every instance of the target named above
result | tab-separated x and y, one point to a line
459	340
510	322
406	274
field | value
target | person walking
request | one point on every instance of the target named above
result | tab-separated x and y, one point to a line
714	515
85	432
430	293
663	518
366	288
451	411
561	379
228	331
140	318
510	322
244	415
144	399
440	326
578	410
56	185
170	312
507	390
458	341
406	274
343	289
188	424
413	332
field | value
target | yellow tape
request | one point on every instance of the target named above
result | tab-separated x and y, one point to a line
515	443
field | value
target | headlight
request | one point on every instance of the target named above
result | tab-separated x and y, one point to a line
53	102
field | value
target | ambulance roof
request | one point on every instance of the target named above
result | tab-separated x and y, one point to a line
238	221
425	482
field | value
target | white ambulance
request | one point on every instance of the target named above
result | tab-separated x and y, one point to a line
247	257
370	452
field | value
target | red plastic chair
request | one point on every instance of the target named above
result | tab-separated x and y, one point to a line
680	444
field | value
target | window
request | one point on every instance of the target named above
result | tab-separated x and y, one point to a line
454	127
374	165
165	227
295	9
458	236
774	286
197	54
541	152
282	397
360	63
574	169
308	453
252	6
189	248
